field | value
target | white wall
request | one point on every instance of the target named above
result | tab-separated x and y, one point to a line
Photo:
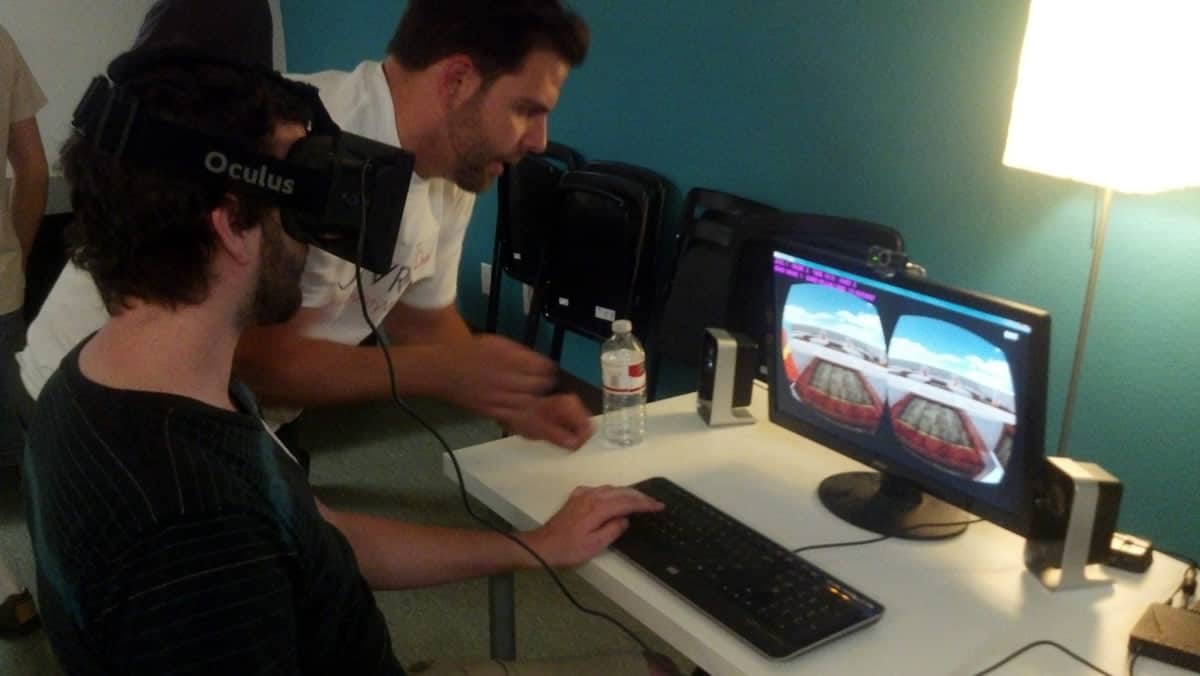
68	42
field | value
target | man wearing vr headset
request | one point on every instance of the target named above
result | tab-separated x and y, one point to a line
171	531
466	86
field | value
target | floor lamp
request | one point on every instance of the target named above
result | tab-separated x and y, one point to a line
1107	95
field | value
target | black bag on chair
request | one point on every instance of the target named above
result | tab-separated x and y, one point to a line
600	264
698	292
529	208
527	212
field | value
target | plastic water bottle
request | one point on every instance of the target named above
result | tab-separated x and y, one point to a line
623	367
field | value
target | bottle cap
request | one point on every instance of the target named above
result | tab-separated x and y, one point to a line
622	326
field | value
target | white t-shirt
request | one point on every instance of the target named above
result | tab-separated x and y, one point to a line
426	257
20	99
435	221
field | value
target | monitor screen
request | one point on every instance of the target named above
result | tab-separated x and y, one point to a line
941	390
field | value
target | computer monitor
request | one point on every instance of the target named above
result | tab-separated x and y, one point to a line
942	391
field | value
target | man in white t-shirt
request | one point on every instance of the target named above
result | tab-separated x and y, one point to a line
467	86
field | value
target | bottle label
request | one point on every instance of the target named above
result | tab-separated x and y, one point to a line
625	378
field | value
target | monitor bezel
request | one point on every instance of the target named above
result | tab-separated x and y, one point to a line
1031	407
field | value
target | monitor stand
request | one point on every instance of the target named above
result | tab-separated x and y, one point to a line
891	506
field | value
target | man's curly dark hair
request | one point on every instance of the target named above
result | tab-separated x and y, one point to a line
148	236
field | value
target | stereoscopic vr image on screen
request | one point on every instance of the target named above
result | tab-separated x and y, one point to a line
910	377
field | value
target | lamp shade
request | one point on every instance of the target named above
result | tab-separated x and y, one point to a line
1108	93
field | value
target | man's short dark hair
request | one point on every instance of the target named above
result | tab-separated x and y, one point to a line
496	34
145	235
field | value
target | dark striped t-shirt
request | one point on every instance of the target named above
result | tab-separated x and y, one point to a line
172	537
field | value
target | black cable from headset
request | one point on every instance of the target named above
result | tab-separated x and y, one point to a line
881	538
381	340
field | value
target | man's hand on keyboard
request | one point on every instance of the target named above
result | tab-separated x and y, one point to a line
589	521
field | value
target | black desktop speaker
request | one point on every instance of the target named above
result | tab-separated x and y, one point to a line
1074	516
728	362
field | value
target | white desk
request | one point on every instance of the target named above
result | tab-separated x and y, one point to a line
953	607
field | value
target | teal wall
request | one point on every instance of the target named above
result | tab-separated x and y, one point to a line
893	111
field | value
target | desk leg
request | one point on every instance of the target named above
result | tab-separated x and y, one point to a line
502	616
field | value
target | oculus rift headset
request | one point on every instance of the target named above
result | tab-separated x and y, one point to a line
335	190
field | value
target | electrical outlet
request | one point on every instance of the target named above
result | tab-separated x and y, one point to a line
487	277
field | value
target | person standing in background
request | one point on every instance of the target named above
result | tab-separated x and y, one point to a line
20	100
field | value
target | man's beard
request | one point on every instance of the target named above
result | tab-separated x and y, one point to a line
472	152
277	294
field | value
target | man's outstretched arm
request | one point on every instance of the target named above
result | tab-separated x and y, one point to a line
397	555
561	419
434	355
487	374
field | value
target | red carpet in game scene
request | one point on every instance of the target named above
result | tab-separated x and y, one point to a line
941	434
840	393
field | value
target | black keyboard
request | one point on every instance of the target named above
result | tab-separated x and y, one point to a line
762	592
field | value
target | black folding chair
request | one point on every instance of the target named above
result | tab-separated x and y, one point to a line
722	277
697	292
600	264
528	211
